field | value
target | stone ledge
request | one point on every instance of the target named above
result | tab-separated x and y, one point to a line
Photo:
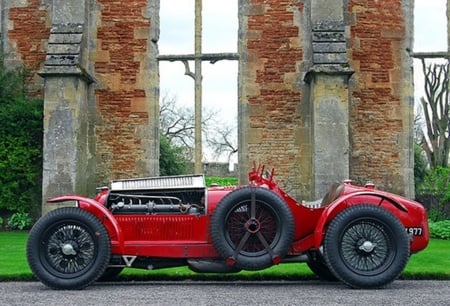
343	70
64	52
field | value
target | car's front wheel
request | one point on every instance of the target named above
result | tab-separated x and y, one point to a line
68	248
366	246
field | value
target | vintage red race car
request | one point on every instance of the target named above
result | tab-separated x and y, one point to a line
359	235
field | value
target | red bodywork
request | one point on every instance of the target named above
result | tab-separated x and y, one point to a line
168	235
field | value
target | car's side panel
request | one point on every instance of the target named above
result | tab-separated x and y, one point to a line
171	235
103	214
411	216
170	249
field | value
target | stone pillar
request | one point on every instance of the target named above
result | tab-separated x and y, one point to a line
329	95
243	90
406	83
67	154
150	78
448	26
1	25
9	54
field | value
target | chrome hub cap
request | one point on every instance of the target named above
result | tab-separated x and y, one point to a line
367	246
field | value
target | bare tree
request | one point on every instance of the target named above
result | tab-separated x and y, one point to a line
436	110
223	140
177	123
418	124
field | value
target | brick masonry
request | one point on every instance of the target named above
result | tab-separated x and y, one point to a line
122	97
382	96
26	27
275	104
271	91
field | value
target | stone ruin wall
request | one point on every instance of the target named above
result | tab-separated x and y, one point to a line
382	96
280	105
271	90
277	108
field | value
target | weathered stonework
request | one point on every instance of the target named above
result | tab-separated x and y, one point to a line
336	123
25	30
67	158
329	98
328	80
270	91
325	89
381	116
125	66
66	148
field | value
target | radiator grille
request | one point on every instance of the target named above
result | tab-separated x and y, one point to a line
164	182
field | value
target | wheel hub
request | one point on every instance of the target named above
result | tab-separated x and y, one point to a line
253	225
367	246
68	249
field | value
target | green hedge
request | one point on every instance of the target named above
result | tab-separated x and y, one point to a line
20	144
440	229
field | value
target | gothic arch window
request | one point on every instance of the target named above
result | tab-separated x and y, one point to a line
218	58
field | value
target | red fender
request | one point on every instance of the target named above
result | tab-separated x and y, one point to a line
99	211
340	204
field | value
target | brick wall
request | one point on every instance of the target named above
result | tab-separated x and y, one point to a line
121	47
116	47
272	92
378	114
277	102
28	30
275	114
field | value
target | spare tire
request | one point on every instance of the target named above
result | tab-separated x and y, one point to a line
252	228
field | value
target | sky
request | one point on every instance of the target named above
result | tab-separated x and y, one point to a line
430	35
220	30
220	27
430	25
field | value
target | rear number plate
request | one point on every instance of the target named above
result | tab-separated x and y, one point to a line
414	231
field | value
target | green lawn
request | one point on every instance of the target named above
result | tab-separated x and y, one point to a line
432	263
13	262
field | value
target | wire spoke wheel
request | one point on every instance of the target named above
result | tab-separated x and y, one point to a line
366	246
68	248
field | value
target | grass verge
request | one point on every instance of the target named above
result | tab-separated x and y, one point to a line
432	263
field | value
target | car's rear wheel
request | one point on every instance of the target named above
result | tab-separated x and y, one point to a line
318	266
68	248
366	246
252	228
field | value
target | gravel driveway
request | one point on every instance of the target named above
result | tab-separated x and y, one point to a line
227	293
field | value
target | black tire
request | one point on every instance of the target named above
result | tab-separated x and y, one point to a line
366	246
68	248
317	265
252	228
110	274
